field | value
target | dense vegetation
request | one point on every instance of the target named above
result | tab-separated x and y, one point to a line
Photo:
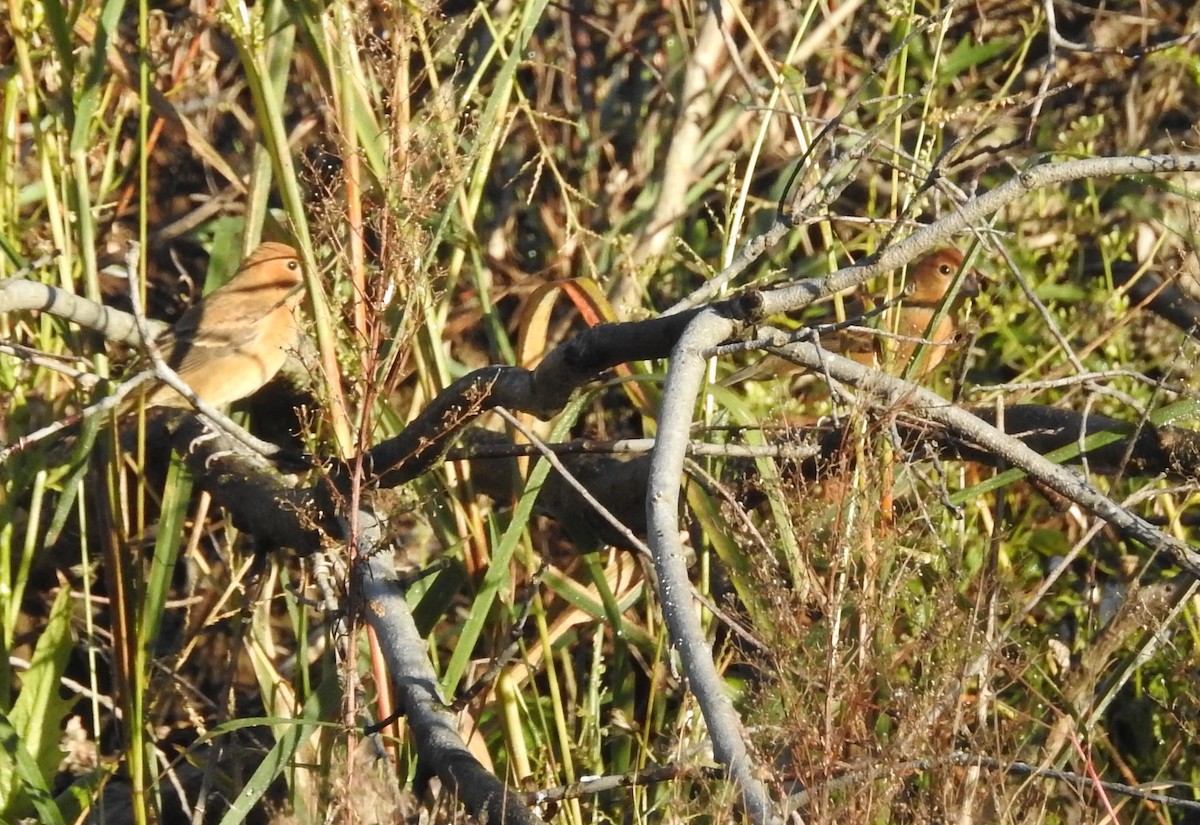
905	638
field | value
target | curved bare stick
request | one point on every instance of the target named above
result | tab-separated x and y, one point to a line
684	380
1063	480
436	738
260	499
542	391
799	295
113	324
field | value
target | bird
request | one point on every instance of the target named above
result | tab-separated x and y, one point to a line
906	326
236	338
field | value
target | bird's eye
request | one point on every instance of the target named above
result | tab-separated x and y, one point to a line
293	265
946	269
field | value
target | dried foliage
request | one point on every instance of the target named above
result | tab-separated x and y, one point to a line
905	628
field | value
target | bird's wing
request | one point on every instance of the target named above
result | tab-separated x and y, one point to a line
186	347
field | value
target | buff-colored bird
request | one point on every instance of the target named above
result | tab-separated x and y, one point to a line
903	328
931	278
237	337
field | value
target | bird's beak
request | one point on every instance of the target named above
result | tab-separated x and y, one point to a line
970	284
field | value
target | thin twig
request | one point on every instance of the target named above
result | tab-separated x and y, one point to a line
849	779
627	534
54	363
630	446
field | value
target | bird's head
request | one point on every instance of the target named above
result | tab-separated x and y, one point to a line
932	276
271	269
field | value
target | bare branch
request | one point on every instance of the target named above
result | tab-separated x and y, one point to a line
684	380
896	392
438	743
115	325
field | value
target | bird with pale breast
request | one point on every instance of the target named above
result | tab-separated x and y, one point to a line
903	328
236	338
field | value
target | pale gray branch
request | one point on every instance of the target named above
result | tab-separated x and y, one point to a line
434	733
894	392
801	294
113	324
684	380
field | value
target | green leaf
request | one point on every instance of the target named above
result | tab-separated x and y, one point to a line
498	571
31	733
280	757
1162	417
968	54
